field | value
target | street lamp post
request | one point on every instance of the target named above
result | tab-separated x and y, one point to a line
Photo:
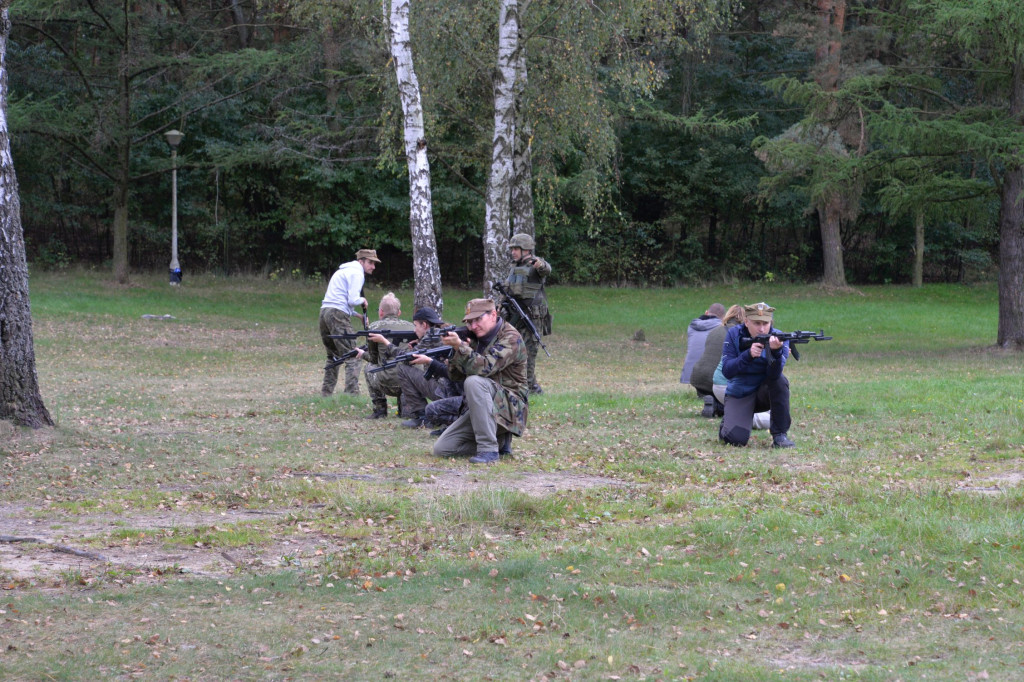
174	138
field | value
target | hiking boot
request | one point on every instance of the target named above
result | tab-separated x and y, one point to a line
484	458
536	389
719	408
781	440
380	410
505	445
709	407
416	422
437	432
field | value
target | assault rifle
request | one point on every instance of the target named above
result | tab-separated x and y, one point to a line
339	359
512	305
436	353
792	337
393	334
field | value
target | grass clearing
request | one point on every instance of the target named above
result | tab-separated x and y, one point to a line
231	523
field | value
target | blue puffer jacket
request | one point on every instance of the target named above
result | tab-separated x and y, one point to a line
746	374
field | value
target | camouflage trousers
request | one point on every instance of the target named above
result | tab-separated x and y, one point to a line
334	321
444	411
382	384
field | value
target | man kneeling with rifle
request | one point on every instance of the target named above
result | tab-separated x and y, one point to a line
419	385
493	371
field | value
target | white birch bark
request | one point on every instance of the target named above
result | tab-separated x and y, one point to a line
499	183
20	400
426	270
521	199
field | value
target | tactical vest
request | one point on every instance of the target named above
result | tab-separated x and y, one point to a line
524	282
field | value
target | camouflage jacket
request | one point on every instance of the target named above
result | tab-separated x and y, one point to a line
377	353
501	358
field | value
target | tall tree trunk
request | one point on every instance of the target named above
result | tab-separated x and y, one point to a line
830	218
20	400
499	182
241	26
124	152
521	198
426	270
1011	234
832	17
918	276
332	66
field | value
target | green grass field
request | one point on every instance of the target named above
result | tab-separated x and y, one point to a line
201	513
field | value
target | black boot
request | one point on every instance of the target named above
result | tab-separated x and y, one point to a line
380	410
709	407
505	444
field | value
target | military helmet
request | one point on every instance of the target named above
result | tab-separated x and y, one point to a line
522	241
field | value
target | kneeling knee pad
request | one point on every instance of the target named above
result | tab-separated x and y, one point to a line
737	436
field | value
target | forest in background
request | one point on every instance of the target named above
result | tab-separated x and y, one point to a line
705	141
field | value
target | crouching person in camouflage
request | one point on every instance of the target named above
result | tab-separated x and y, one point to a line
380	349
495	392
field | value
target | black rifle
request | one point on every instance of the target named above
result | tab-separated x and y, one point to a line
511	303
393	334
436	353
339	359
437	332
792	337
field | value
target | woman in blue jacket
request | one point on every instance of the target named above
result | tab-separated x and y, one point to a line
756	381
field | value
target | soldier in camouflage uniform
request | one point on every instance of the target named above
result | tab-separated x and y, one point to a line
380	349
493	371
421	385
526	284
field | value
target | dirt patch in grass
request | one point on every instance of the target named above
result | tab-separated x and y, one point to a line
992	485
39	546
452	482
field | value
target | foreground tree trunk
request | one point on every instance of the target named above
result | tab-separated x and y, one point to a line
1011	234
426	270
499	183
521	198
20	400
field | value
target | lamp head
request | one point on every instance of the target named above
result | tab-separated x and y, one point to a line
174	138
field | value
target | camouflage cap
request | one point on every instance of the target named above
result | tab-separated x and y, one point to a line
758	312
478	307
368	254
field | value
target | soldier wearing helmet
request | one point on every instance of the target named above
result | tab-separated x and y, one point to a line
526	284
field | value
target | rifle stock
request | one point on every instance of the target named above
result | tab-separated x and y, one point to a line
339	359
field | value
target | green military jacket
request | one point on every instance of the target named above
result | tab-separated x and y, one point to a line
502	359
378	353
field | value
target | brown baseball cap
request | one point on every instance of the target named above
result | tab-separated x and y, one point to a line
369	254
478	307
758	312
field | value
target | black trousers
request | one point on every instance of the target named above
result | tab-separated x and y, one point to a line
739	412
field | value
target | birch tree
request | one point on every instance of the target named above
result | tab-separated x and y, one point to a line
426	270
499	182
521	198
20	400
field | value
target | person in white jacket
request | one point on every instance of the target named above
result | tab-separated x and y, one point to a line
343	298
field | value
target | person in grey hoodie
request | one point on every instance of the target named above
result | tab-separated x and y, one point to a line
696	336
